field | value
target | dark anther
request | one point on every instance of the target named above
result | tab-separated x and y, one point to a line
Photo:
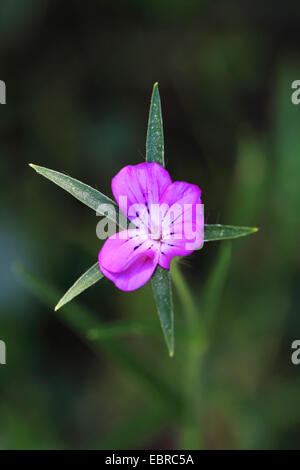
137	246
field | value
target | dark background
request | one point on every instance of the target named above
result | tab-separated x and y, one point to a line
79	76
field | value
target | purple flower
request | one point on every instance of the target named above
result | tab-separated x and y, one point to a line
167	220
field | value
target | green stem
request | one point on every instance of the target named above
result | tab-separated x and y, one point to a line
190	436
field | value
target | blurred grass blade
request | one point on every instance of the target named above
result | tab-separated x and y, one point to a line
155	135
136	431
196	345
101	336
90	277
161	280
287	147
225	232
212	294
86	194
80	319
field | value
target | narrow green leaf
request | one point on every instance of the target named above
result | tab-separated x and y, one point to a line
91	328
225	232
78	318
155	135
90	277
161	280
86	194
161	283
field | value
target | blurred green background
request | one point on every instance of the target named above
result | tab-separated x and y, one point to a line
79	77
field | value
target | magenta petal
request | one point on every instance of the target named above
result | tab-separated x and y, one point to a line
128	262
183	237
120	249
141	184
180	192
168	251
183	201
183	224
135	276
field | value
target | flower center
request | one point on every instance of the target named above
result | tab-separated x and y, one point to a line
156	234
